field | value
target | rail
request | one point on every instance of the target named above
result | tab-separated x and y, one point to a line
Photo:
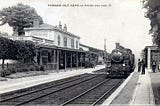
67	102
43	95
91	89
99	99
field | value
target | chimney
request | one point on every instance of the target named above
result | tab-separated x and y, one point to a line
117	45
60	25
36	23
65	28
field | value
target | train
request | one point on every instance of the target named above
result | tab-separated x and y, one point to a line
120	63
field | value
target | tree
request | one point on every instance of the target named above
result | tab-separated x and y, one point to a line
19	17
153	13
25	50
16	50
6	50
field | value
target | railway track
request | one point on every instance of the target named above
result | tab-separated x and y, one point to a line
40	93
37	88
40	86
90	97
73	91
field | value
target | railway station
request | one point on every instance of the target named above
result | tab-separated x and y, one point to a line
57	48
43	63
130	90
123	91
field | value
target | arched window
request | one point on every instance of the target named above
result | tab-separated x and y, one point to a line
76	44
65	41
59	40
72	43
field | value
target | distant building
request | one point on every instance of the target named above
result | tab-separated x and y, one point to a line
151	53
96	53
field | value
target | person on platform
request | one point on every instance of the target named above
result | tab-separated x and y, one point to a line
159	66
154	66
139	65
143	66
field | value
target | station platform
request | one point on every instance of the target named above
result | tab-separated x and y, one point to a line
25	82
143	94
137	91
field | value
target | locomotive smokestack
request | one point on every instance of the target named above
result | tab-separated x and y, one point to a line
117	45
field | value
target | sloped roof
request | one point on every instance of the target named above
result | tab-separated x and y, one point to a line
153	47
89	47
41	26
45	26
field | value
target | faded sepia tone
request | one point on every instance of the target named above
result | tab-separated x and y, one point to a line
122	22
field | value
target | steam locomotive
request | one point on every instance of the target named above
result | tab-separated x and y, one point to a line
120	62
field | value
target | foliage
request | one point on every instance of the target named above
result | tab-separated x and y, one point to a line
16	50
25	50
6	48
91	59
88	64
21	68
153	13
19	17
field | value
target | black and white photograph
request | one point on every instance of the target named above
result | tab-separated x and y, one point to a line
79	52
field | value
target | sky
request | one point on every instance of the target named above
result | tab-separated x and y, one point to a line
122	22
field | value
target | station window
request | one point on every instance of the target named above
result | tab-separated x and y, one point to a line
44	53
72	43
65	41
59	40
76	44
44	60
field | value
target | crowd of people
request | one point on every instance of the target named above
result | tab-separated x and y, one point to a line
142	65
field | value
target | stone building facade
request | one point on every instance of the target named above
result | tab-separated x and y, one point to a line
57	48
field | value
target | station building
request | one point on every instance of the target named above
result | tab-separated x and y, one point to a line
56	47
94	53
151	53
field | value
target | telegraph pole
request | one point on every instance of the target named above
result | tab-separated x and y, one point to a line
104	54
105	44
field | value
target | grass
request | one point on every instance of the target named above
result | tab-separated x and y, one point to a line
26	74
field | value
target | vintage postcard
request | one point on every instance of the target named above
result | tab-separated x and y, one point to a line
79	52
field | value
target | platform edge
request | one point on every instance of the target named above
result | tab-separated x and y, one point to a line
109	100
